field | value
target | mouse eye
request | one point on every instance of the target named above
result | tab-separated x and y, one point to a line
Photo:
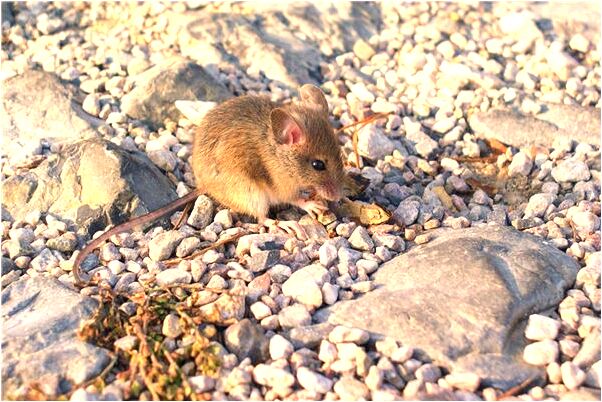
318	164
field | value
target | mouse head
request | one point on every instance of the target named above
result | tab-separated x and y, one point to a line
307	146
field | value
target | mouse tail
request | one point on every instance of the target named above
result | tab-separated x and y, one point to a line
143	219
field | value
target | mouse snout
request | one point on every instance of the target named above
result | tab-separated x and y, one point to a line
330	191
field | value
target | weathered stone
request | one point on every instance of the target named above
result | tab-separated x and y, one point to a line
580	122
156	90
304	285
313	381
262	260
162	246
246	339
7	265
93	183
272	376
520	130
40	320
268	39
461	326
202	212
373	143
227	309
280	347
56	117
309	336
171	326
173	276
571	170
293	316
350	389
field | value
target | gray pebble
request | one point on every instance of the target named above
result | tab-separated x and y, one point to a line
201	383
296	315
44	261
328	254
171	326
313	381
350	389
521	165
541	327
173	276
279	273
304	285
341	333
407	212
571	170
187	246
360	239
541	353
263	260
202	212
272	376
224	218
162	246
126	343
428	373
66	243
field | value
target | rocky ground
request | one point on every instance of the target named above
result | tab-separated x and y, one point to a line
481	282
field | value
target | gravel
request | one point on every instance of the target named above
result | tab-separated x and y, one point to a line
432	74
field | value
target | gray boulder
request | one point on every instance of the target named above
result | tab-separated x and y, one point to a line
579	123
93	183
40	320
156	90
285	41
37	106
464	298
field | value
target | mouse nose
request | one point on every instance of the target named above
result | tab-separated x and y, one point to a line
331	191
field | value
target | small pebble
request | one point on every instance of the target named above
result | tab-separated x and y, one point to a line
572	375
313	381
280	347
541	327
541	353
171	326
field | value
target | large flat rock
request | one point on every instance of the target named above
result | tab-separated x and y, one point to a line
93	183
36	106
40	319
579	123
155	90
284	41
464	298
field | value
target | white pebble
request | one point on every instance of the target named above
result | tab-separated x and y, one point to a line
572	375
313	381
541	327
280	347
541	353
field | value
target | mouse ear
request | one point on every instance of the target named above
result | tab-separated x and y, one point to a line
285	129
313	96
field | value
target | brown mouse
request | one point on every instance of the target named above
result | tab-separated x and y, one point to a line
250	153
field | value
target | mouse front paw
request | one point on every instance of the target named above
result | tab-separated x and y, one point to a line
313	208
290	227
